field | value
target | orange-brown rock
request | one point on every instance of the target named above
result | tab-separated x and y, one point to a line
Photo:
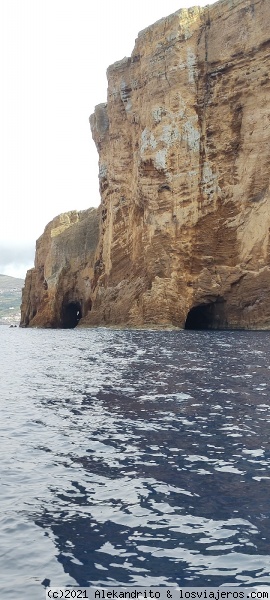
57	292
184	167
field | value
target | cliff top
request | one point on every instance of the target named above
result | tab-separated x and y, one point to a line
185	16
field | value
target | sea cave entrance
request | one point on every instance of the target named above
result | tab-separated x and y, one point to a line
71	315
207	316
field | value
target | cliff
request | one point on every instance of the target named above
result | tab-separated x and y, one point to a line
57	292
184	157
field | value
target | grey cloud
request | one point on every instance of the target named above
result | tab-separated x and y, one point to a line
16	257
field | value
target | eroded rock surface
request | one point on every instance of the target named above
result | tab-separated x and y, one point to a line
184	166
57	292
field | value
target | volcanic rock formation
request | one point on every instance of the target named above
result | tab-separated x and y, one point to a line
182	234
57	292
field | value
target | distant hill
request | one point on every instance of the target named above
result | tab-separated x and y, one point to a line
10	299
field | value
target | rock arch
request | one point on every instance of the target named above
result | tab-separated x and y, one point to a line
71	314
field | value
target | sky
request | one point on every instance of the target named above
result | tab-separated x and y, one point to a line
54	56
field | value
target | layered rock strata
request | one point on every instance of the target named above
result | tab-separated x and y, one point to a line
184	157
57	291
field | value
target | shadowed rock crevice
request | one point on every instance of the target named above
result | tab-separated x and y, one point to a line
71	314
207	316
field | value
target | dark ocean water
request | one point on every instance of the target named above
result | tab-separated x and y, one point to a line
133	457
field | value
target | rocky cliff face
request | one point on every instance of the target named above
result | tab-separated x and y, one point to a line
184	156
57	292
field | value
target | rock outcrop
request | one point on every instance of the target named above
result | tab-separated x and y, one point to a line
184	168
57	292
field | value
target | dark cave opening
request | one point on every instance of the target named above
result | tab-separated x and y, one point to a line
207	316
71	315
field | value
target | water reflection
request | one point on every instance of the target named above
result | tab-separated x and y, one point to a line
144	456
173	485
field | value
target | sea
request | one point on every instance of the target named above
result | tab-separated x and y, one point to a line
136	458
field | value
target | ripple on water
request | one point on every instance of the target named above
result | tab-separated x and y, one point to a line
134	457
